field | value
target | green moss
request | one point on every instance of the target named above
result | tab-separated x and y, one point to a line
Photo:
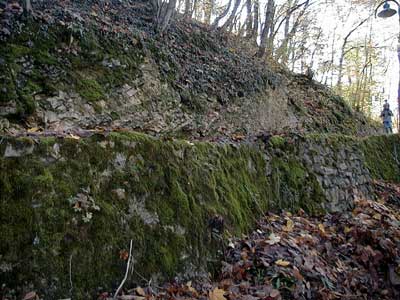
90	90
45	60
382	156
172	191
17	51
277	141
294	186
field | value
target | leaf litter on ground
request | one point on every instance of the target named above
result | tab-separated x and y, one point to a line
351	255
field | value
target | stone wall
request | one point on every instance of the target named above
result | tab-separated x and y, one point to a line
340	171
76	200
81	200
343	166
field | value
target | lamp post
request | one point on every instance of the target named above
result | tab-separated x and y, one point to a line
388	12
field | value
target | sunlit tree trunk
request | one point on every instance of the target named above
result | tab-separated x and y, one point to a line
232	16
249	18
267	28
343	53
188	9
208	10
223	15
28	7
254	34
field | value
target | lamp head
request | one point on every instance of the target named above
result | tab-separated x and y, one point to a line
387	12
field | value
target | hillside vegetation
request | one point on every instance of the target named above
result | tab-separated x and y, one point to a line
98	64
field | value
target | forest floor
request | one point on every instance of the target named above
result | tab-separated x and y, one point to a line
353	255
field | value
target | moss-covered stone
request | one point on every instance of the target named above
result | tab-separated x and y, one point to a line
80	201
293	185
170	192
382	156
90	90
44	60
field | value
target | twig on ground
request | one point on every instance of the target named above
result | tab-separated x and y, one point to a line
70	276
126	273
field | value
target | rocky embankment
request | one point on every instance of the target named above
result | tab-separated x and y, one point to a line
101	65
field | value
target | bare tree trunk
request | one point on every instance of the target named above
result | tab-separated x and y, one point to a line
236	23
267	27
343	53
208	10
231	18
315	48
188	9
156	6
282	51
28	7
167	15
254	34
333	52
249	19
223	15
284	47
270	42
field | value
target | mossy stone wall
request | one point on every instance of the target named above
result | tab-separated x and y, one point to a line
78	202
320	172
81	201
382	157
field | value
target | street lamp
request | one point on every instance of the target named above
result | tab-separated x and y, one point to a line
388	12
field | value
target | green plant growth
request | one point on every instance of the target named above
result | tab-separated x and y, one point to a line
44	60
294	187
382	157
81	201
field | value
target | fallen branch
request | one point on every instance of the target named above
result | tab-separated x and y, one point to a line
126	273
70	276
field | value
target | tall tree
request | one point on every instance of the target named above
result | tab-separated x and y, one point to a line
265	33
163	12
208	8
222	15
228	23
343	51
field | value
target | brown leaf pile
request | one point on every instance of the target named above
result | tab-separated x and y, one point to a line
354	256
344	256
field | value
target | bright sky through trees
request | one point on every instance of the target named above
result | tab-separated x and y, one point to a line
333	20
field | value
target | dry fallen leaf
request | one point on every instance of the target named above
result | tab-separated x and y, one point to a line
273	218
217	294
282	263
289	226
123	254
297	274
73	136
140	291
33	129
190	288
30	296
377	217
273	239
274	294
321	228
130	297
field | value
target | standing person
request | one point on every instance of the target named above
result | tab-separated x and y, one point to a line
386	116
